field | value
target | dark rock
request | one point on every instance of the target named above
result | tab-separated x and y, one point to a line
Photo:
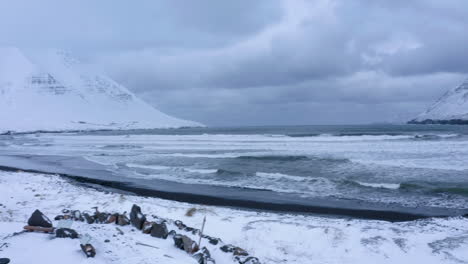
172	233
89	250
178	242
249	260
147	226
179	224
236	251
123	220
159	230
192	230
227	248
190	246
59	217
4	260
212	240
66	232
107	240
136	217
39	219
203	256
89	218
65	211
240	252
112	219
102	217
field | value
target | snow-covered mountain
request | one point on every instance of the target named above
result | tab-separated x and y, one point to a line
54	92
451	108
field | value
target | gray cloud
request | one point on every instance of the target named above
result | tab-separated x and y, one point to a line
287	61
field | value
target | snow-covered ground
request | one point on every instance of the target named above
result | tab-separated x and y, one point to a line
273	238
51	91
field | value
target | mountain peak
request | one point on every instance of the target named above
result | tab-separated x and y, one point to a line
451	108
54	91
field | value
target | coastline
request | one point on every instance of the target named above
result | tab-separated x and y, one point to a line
357	213
296	238
246	199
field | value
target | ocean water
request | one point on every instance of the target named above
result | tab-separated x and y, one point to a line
395	168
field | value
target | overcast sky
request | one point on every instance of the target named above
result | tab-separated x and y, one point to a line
260	62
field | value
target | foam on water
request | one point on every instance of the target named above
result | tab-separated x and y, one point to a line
202	171
371	164
392	186
152	167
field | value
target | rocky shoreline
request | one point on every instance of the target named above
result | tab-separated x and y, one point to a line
153	225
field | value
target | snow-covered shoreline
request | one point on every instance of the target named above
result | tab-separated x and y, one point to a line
273	238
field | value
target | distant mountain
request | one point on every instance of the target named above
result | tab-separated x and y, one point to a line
451	108
54	92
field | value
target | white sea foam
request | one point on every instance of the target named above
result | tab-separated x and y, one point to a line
152	167
392	186
280	176
201	171
202	155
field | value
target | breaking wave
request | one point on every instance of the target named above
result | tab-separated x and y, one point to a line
274	158
202	171
392	186
151	167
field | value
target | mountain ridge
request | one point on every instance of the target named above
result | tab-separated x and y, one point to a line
451	108
55	92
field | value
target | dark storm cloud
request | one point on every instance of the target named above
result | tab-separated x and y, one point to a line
287	61
111	24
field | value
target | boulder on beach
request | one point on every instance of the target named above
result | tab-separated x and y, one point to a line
159	230
136	217
185	243
180	224
89	250
248	260
89	218
236	251
101	217
203	256
39	219
66	233
123	220
147	226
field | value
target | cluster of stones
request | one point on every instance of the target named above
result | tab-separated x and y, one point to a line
40	222
158	228
239	254
95	218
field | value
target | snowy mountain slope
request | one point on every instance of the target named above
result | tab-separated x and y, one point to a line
452	107
54	92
